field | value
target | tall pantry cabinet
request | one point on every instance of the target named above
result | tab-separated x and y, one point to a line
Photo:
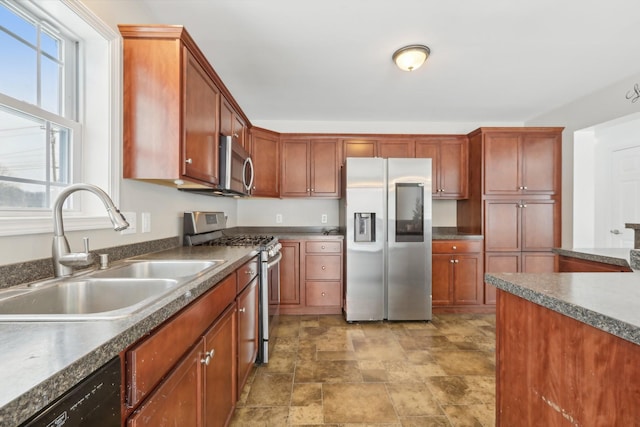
514	198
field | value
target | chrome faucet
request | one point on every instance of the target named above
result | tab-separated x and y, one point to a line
63	258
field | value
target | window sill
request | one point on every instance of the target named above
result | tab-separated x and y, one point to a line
39	225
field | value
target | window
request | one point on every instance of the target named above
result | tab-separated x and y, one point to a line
37	135
60	98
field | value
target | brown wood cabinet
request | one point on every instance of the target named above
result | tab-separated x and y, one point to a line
168	378
265	154
310	168
577	265
359	148
457	271
396	148
522	162
449	162
189	371
311	276
289	274
553	370
514	198
171	107
232	124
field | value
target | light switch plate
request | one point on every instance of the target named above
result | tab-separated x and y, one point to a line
145	220
278	218
323	218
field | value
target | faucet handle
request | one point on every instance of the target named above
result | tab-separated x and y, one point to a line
86	244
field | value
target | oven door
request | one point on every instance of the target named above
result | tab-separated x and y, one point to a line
269	304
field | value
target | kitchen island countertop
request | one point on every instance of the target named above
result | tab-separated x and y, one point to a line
42	360
613	256
606	301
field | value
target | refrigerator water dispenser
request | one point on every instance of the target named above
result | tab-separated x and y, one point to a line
365	227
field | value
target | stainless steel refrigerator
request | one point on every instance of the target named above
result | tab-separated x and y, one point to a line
386	212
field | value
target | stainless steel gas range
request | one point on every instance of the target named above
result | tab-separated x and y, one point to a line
210	228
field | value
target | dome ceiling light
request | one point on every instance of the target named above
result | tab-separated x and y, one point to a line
411	57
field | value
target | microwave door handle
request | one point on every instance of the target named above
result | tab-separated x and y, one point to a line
248	162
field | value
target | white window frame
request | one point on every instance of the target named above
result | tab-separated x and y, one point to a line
99	111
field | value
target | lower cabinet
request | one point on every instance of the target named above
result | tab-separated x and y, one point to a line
457	273
188	371
311	276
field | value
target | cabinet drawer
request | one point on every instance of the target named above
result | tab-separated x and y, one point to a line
323	267
323	246
323	293
149	361
456	246
247	273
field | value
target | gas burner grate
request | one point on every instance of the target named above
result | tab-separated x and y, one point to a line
241	240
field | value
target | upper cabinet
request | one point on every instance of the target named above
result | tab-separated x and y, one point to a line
524	163
396	148
359	148
232	123
171	105
310	168
382	147
265	153
449	162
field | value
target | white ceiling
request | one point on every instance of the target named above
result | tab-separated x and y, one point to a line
330	60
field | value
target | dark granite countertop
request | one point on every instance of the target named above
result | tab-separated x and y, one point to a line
437	233
452	233
607	301
41	361
612	256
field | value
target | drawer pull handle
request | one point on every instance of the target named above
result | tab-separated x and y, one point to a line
207	357
242	310
249	272
188	161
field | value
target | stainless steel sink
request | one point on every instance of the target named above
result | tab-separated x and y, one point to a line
158	269
81	299
99	295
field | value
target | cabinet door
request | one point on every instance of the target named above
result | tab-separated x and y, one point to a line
200	140
499	263
540	159
240	131
453	169
538	262
467	279
219	388
226	118
325	168
178	399
502	164
295	172
431	150
290	273
396	149
247	332
539	225
359	148
502	225
442	279
265	154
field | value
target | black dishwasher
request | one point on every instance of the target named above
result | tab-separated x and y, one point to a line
94	402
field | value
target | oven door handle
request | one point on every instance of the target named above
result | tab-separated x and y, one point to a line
274	260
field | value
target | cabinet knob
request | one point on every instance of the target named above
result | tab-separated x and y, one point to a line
254	187
249	272
313	190
454	248
323	294
524	188
451	261
456	261
308	189
324	268
242	310
188	161
322	247
524	206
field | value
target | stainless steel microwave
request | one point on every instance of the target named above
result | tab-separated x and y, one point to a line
236	168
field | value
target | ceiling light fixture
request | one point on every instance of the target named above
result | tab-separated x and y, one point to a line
411	57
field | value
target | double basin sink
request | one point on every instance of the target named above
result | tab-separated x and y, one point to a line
101	294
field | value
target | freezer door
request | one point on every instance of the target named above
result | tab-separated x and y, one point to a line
364	210
409	239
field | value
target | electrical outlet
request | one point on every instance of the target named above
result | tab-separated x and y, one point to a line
131	219
145	219
323	218
278	218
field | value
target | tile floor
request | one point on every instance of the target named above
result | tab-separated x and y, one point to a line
327	372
